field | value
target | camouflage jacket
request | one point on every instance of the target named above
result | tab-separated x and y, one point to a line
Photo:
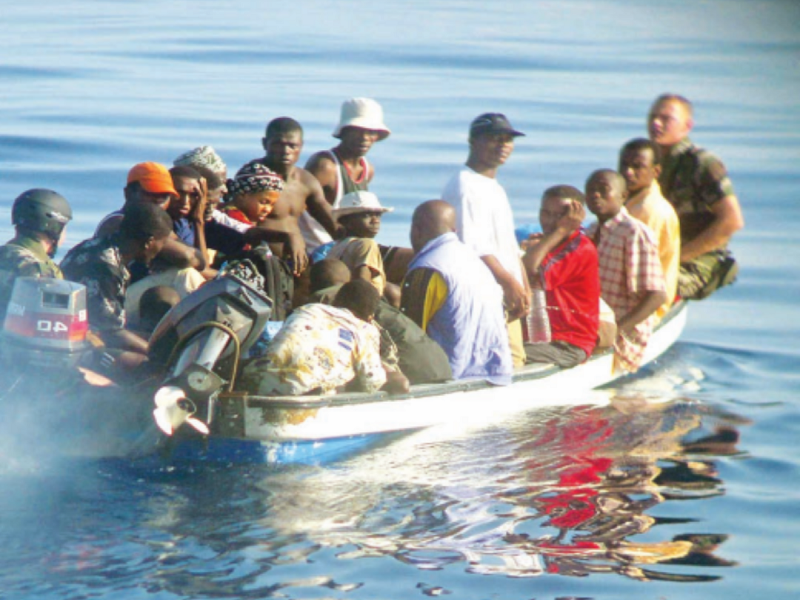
693	179
97	264
24	256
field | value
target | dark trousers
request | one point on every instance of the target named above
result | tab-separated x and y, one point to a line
559	353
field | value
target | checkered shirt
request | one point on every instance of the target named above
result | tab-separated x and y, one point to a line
629	266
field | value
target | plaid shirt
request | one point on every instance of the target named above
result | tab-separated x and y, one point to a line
629	267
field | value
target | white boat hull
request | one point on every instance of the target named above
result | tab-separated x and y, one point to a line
303	419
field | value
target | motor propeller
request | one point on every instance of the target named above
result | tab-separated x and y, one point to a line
173	409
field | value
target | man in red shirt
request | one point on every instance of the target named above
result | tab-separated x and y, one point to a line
563	262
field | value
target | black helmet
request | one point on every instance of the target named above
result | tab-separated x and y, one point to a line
41	210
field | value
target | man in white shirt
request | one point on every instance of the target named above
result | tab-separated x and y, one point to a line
484	218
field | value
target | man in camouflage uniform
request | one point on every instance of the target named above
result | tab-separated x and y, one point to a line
697	184
39	217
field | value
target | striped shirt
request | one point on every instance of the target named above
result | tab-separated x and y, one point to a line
629	267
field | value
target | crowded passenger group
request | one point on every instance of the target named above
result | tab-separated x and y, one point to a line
473	297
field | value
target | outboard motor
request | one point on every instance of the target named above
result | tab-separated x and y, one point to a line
200	341
45	325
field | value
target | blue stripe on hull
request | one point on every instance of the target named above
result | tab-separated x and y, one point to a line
240	451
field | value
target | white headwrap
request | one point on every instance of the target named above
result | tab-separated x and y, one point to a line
204	156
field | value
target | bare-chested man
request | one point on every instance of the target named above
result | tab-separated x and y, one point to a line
283	143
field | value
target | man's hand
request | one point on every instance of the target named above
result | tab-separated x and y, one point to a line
537	249
396	383
515	300
297	247
572	219
531	241
727	220
198	214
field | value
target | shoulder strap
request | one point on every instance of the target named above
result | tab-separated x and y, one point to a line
339	185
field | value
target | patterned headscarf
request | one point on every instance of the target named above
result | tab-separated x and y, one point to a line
253	177
204	156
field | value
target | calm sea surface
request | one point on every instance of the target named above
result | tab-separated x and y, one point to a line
685	486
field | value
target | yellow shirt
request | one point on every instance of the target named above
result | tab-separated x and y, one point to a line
652	209
359	252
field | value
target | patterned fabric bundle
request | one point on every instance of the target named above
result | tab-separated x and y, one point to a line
253	177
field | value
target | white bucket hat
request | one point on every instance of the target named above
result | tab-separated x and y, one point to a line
359	202
364	113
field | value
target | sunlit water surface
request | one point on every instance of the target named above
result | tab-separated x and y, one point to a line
685	485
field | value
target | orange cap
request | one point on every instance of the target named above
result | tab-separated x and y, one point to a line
153	177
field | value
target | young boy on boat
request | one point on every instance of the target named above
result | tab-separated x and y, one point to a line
360	215
40	219
187	211
563	263
252	194
631	281
251	197
640	165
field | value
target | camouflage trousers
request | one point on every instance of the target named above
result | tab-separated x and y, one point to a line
700	277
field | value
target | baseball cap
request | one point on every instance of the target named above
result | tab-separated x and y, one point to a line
153	177
492	123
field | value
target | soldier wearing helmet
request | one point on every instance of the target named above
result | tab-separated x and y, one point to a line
40	217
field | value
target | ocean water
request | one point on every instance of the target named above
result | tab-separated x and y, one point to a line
684	486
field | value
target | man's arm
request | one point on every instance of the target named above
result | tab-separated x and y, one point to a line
179	255
124	339
198	217
728	220
650	302
396	382
285	231
569	222
643	263
472	217
516	300
106	311
325	171
367	364
318	207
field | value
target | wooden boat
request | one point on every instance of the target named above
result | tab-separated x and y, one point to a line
245	427
281	429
